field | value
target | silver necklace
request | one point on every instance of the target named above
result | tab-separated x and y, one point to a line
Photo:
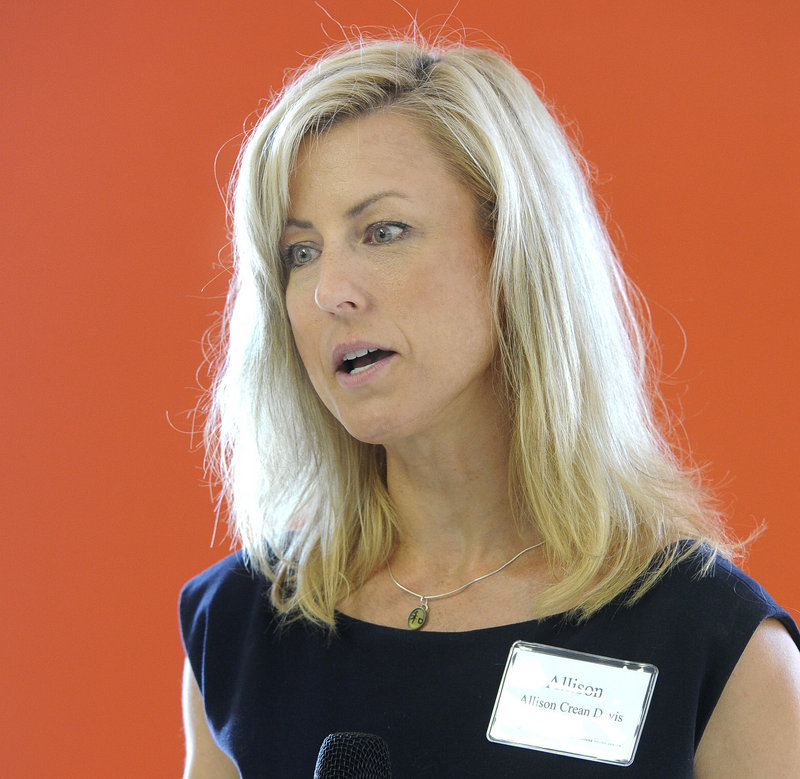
418	615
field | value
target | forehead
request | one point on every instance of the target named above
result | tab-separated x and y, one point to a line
387	125
363	152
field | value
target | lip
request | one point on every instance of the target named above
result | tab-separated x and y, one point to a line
353	346
366	375
350	380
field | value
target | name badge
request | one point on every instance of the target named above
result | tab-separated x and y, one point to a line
572	703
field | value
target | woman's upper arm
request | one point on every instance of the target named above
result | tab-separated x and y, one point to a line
755	727
204	759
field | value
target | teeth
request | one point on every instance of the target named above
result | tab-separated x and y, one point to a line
358	370
358	353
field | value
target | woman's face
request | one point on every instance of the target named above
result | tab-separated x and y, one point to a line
388	283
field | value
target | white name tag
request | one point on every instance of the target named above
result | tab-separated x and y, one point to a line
572	703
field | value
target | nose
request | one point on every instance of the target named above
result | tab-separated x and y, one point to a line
339	288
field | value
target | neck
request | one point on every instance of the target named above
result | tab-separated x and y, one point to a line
451	498
456	525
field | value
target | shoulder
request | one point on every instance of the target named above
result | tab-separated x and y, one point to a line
701	619
715	594
694	624
755	727
220	605
229	577
705	610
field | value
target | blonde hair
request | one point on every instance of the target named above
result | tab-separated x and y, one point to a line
589	466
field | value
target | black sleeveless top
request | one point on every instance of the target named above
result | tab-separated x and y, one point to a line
272	693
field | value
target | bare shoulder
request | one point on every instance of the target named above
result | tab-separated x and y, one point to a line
204	759
755	727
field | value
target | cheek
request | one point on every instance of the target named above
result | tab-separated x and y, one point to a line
291	299
297	311
299	323
478	327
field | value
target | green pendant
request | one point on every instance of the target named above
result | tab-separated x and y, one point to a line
416	619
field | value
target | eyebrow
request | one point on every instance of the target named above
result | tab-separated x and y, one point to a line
351	212
364	204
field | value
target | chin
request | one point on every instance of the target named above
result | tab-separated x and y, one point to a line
378	430
369	434
365	424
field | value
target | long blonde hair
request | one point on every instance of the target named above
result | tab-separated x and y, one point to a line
589	466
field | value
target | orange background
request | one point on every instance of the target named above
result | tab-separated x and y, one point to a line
111	223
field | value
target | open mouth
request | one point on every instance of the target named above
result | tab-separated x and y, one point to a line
361	359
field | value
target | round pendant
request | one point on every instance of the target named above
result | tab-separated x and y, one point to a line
416	619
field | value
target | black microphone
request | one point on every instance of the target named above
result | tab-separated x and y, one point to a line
353	756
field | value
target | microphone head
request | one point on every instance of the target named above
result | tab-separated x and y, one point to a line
353	756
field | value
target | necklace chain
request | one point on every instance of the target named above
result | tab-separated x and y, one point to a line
416	619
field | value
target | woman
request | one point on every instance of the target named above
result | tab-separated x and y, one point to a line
433	422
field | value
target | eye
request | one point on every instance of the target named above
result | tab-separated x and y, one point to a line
298	254
385	232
